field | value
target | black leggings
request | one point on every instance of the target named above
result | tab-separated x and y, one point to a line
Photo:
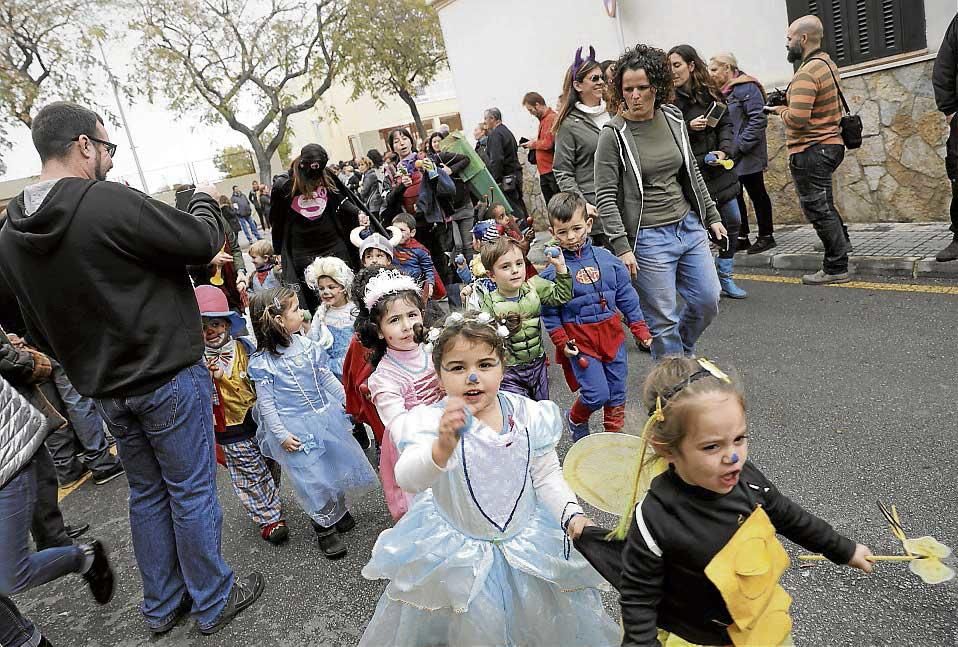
754	183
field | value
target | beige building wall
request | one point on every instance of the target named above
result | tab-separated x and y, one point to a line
343	125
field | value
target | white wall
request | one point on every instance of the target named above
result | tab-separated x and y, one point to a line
500	49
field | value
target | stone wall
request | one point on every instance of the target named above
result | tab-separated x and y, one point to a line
898	175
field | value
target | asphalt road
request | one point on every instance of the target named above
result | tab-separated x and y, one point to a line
851	399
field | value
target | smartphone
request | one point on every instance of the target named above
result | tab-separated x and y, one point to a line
715	113
183	198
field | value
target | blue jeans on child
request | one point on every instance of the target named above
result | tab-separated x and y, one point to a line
676	258
165	439
21	568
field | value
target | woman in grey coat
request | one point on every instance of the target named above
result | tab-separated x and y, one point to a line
654	205
582	113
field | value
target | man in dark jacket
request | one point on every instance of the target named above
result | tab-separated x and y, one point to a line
502	152
99	270
945	80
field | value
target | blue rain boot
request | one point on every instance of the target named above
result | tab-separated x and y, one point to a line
729	289
577	431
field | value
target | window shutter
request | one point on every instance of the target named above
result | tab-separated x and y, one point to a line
857	31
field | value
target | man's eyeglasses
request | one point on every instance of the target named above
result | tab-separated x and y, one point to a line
110	146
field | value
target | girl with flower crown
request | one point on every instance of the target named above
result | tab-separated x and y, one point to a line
302	424
482	557
390	323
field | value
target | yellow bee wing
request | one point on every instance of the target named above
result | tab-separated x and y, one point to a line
927	546
601	469
931	570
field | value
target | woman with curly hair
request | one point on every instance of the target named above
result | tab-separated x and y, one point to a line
654	205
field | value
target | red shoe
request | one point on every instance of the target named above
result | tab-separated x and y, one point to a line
275	533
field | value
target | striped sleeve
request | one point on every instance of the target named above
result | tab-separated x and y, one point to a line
814	110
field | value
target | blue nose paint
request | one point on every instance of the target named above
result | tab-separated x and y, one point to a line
734	458
473	378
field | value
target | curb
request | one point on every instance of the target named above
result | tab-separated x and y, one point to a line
905	266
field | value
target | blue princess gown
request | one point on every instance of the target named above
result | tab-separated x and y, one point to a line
333	330
297	394
479	557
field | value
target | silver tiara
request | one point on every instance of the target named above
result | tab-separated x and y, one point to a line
385	283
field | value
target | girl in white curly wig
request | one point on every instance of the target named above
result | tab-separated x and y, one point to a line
332	326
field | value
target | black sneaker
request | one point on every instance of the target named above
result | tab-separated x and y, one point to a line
742	244
105	477
244	593
359	433
76	531
762	244
345	524
330	542
182	610
100	575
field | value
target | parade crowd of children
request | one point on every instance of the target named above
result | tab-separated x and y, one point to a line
490	546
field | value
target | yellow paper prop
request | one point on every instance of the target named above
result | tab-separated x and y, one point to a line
924	554
601	468
746	572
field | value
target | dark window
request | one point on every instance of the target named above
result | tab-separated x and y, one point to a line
863	30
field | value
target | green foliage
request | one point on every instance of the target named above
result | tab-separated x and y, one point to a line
393	47
47	52
234	161
249	64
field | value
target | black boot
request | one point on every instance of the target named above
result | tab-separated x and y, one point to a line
949	253
359	433
329	541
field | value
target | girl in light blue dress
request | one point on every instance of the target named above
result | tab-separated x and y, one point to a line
483	557
301	423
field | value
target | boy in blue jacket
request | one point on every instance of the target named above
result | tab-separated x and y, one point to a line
588	328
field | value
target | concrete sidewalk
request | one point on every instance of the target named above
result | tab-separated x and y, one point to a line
880	249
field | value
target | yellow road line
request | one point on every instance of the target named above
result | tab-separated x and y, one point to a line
856	285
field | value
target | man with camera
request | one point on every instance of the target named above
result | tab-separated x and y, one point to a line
812	114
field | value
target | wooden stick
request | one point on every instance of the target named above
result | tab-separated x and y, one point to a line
870	558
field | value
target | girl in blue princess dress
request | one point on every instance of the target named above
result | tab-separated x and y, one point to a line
302	424
481	558
332	325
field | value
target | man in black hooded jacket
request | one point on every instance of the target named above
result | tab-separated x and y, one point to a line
99	270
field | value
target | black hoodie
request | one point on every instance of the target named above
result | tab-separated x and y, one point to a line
100	273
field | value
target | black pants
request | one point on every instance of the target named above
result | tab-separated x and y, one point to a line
754	183
951	167
438	239
47	526
549	186
812	170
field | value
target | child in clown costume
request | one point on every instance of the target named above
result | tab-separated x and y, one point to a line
481	557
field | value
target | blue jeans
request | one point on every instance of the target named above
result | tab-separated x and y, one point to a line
676	258
20	568
732	221
249	228
165	439
15	629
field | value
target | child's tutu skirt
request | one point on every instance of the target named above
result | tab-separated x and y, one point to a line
330	466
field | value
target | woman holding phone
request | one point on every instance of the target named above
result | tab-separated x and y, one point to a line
712	138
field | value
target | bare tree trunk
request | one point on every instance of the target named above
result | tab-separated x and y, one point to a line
414	109
263	161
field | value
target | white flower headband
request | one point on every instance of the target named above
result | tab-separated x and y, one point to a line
385	283
457	318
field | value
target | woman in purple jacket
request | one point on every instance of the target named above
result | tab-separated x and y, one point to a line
746	97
